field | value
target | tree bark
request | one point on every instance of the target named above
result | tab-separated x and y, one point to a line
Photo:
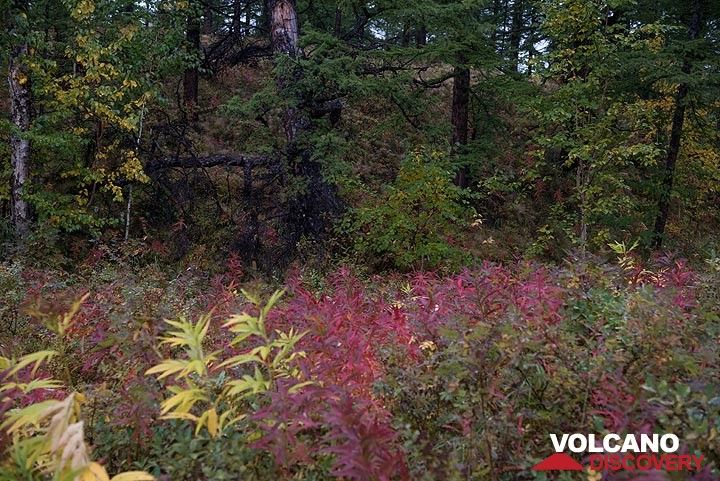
337	26
405	36
421	36
495	13
284	31
237	24
460	113
209	20
191	77
19	83
516	34
202	162
676	131
285	37
309	209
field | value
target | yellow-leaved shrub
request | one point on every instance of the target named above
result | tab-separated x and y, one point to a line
210	391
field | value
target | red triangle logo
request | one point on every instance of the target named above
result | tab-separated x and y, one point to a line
558	462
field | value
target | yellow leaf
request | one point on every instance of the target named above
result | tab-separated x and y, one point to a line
98	472
186	416
183	401
36	357
31	414
133	476
4	363
212	422
224	419
168	368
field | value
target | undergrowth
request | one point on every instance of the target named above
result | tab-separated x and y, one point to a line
417	376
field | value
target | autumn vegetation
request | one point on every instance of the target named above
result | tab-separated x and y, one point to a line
368	241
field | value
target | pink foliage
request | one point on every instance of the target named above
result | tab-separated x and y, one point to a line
347	330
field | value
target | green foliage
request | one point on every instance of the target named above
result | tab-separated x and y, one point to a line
692	412
599	160
607	114
177	452
411	224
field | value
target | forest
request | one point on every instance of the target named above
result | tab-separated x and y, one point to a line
432	240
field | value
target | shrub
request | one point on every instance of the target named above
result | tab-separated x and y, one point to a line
210	391
48	436
411	224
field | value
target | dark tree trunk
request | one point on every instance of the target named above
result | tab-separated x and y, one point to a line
496	21
265	17
460	111
516	33
337	27
209	20
311	208
676	131
421	36
237	26
19	83
530	43
405	36
191	77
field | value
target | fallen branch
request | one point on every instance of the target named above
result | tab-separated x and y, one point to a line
200	162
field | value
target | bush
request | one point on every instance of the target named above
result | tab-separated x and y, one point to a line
412	223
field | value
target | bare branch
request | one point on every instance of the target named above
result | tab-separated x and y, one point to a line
199	162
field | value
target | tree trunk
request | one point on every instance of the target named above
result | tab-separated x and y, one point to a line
19	83
209	20
405	36
460	109
516	34
310	209
237	24
337	26
495	13
284	31
192	74
676	131
285	37
421	36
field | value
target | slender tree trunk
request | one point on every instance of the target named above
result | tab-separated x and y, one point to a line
496	21
191	77
516	27
265	17
209	23
676	131
460	111
337	27
405	36
421	36
530	44
19	83
238	6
